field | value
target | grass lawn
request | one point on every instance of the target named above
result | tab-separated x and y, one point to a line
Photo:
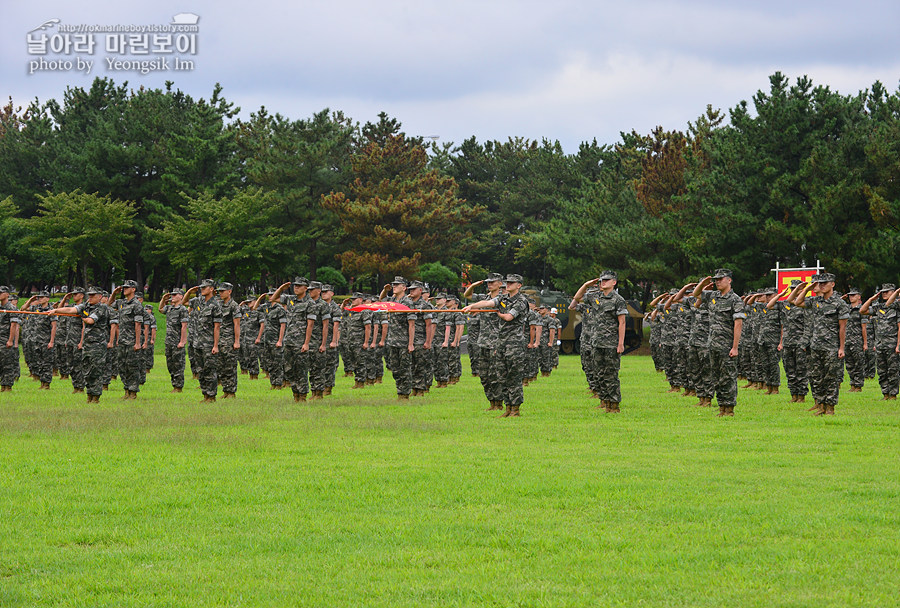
362	501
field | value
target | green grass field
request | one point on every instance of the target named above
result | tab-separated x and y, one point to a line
362	501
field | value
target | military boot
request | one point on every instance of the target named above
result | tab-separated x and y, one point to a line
829	410
228	396
507	413
45	386
721	411
402	397
77	390
818	408
254	376
175	390
515	411
613	407
729	410
327	391
358	384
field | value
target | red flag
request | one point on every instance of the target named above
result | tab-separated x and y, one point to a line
380	306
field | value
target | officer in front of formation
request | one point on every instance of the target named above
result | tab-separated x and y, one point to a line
95	318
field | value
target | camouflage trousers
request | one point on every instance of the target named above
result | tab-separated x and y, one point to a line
676	366
195	360
534	362
43	362
249	357
554	350
700	370
474	355
753	359
442	365
209	371
607	362
400	363
455	362
509	367
175	364
745	357
871	365
151	356
332	360
587	366
354	357
93	360
422	368
490	381
64	353
723	370
28	355
142	365
826	372
375	367
227	362
296	368
796	362
130	364
9	364
111	367
318	370
348	356
546	356
656	355
76	367
855	360
767	369
888	363
275	364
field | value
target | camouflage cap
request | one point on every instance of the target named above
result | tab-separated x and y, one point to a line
823	277
43	294
93	290
105	294
722	273
129	283
608	274
207	283
225	286
417	285
853	291
440	296
398	280
301	281
327	287
77	290
4	289
543	307
795	282
177	292
888	287
494	276
138	294
514	278
271	291
358	294
148	307
315	285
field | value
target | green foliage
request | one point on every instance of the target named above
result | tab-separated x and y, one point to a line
331	276
438	276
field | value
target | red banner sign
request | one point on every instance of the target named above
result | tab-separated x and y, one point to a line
784	276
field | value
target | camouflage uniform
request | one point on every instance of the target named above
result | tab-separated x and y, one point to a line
854	355
175	316
768	338
669	342
422	359
146	362
724	310
654	343
795	348
397	343
63	347
605	313
193	307
459	319
296	360
587	365
228	354
533	355
377	356
112	353
353	335
332	359
545	349
275	317
151	342
208	314
43	356
249	356
746	346
130	360
319	312
473	322
826	369
442	363
9	355
510	360
489	328
698	354
683	319
94	352
74	354
887	360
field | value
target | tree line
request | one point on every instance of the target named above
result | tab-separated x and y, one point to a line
153	184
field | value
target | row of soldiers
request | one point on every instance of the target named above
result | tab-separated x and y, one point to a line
813	338
53	344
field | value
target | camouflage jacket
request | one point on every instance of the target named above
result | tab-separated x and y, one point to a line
827	314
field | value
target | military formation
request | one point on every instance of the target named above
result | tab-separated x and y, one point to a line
706	340
703	337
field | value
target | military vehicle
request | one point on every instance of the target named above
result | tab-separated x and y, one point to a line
570	336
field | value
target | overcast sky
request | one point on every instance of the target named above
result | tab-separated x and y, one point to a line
566	70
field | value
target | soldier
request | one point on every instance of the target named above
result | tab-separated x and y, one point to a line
422	336
431	330
827	344
769	337
111	360
510	359
380	327
544	348
698	354
669	341
401	338
193	307
319	314
356	335
130	325
176	336
94	316
608	312
151	344
473	323
587	364
856	341
533	329
656	318
553	340
229	340
274	326
206	346
9	345
726	318
74	349
331	353
457	325
42	335
489	327
251	336
791	344
887	338
296	344
65	332
442	341
683	319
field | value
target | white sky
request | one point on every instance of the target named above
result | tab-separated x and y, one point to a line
566	70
